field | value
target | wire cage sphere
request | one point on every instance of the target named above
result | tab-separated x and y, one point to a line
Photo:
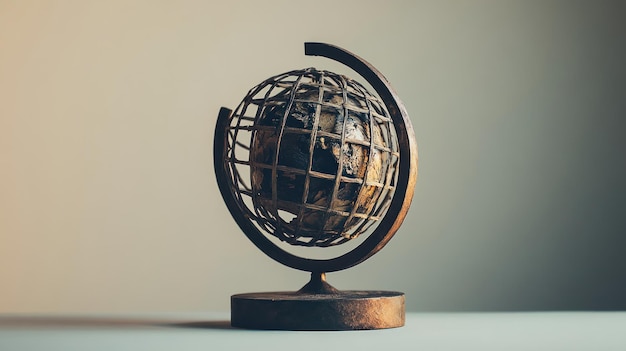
312	157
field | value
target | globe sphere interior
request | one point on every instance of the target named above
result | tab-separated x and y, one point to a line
312	157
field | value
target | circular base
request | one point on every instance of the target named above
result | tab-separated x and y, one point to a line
342	310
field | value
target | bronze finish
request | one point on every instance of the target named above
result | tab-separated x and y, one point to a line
319	306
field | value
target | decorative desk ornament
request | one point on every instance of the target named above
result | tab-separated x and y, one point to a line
312	158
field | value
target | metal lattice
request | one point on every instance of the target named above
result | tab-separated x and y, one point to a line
312	157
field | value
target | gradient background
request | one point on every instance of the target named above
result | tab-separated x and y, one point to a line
108	202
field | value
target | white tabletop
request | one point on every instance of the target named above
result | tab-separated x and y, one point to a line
423	331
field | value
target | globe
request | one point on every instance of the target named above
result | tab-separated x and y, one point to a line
312	157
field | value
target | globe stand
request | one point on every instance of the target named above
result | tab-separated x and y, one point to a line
317	305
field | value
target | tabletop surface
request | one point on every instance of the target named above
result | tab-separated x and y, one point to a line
212	331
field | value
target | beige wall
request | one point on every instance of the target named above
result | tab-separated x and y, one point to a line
108	202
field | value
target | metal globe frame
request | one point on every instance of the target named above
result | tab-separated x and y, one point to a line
318	305
321	153
398	208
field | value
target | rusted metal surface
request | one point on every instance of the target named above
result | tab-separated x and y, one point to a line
346	310
387	226
318	305
322	158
